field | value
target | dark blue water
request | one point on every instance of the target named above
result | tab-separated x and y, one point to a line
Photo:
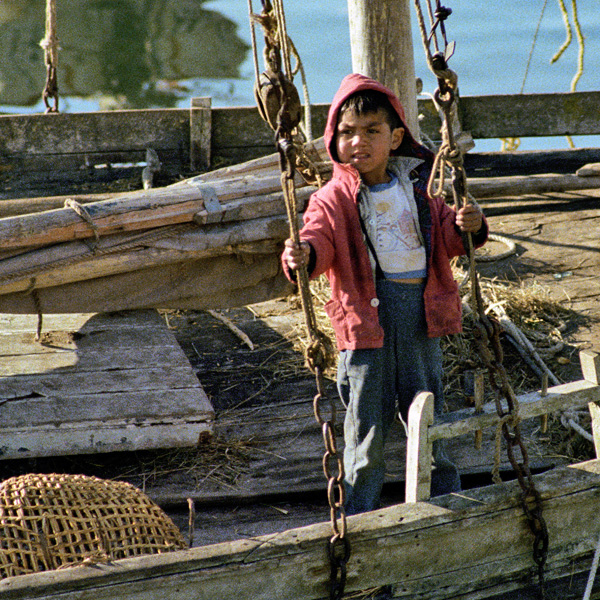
160	53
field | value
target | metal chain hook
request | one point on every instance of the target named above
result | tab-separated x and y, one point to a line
487	330
279	105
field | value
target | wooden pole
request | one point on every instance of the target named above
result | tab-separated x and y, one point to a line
382	48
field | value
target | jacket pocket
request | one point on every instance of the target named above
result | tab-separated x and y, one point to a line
444	313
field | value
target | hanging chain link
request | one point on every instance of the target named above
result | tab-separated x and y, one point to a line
279	105
487	330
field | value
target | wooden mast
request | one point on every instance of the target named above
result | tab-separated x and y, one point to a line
382	48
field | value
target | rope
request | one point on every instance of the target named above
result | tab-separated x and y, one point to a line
569	39
567	43
590	583
50	46
533	45
84	214
570	419
511	249
272	19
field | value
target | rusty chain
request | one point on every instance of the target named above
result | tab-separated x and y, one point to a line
487	330
279	105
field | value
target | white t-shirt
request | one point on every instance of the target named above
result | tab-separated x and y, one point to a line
396	239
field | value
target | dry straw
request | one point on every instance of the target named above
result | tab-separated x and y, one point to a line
53	521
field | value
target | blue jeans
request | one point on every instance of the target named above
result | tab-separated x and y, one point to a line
375	383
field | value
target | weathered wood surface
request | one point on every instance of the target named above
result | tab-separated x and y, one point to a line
41	151
469	547
418	449
518	162
386	58
575	394
96	383
283	446
180	281
529	184
243	198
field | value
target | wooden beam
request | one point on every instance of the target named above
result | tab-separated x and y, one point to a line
531	115
568	395
144	209
200	134
489	187
590	365
595	415
419	448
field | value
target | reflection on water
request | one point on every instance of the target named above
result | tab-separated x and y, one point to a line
124	53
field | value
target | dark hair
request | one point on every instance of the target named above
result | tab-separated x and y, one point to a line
370	101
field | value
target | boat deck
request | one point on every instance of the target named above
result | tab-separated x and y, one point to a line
261	471
272	478
109	382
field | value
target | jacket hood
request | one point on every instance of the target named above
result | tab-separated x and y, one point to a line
356	82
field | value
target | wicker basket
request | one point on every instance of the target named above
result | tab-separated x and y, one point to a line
52	521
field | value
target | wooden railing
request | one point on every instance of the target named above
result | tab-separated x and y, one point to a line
422	431
64	149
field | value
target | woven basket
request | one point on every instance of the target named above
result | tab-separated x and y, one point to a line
51	521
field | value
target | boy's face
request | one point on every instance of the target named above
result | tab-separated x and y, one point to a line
365	142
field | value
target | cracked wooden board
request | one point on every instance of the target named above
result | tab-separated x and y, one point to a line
101	382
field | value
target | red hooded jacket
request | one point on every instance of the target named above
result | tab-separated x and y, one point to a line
332	227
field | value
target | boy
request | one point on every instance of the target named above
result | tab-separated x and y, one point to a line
385	247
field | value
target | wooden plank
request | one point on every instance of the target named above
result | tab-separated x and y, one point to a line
240	134
90	383
590	365
96	383
519	162
122	406
457	547
99	437
419	449
595	415
57	340
534	404
92	360
84	322
519	185
524	115
91	133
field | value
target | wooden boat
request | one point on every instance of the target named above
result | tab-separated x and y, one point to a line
474	545
211	240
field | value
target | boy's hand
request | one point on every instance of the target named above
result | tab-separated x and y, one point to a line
296	255
469	218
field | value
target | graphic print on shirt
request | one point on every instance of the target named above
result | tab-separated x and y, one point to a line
399	249
395	231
